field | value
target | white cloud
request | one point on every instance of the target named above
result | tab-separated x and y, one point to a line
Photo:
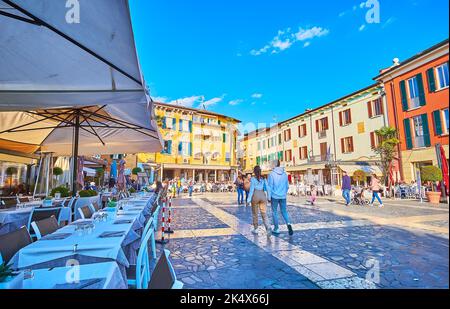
160	99
186	102
306	44
211	102
257	96
287	38
236	102
362	5
362	27
342	14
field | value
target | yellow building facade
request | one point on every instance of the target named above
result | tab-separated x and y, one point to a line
198	145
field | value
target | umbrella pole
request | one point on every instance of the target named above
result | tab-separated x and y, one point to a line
75	154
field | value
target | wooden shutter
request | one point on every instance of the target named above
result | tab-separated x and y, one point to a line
351	144
431	80
304	130
326	123
342	145
437	122
317	125
381	106
426	130
369	108
372	139
407	128
421	89
349	116
403	94
340	119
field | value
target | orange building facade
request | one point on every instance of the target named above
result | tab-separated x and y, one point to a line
417	96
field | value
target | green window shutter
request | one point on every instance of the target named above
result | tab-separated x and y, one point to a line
190	126
431	80
224	138
174	124
426	130
404	96
169	147
407	126
421	89
190	149
163	122
258	160
437	122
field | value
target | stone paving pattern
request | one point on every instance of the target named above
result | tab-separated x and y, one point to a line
209	255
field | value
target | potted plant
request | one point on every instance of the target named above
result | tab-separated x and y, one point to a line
62	190
432	175
10	279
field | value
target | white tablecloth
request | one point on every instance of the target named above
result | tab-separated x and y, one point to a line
90	248
109	272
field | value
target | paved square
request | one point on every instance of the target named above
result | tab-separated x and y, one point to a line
404	245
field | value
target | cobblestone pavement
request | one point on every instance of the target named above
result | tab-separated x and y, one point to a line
403	245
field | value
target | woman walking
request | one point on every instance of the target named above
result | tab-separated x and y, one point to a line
375	187
258	199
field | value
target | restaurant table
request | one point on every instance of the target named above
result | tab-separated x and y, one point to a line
89	248
12	219
91	276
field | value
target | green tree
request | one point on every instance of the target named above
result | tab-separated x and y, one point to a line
57	171
387	148
431	174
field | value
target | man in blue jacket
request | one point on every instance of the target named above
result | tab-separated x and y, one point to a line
279	185
346	187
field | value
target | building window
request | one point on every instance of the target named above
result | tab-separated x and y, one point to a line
345	117
287	135
419	136
322	124
167	149
303	153
184	148
442	76
375	108
279	139
288	155
375	140
441	124
259	145
347	144
413	93
446	125
302	130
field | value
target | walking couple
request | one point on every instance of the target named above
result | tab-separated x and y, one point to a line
274	191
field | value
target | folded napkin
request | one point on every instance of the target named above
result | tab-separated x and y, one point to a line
123	221
112	234
83	284
56	236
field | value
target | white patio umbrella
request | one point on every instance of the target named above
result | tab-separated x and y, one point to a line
65	84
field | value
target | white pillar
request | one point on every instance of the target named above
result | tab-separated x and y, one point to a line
193	174
215	175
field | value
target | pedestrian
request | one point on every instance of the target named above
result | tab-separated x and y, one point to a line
247	182
191	187
375	187
258	197
279	186
346	188
240	189
313	197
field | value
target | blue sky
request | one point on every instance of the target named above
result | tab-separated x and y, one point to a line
259	59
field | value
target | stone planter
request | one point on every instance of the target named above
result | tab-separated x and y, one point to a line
434	197
13	283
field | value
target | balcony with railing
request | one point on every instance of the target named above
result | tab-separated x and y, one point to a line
322	134
321	158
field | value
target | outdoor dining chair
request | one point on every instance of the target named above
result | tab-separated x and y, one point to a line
38	214
148	226
12	242
138	275
163	276
96	206
86	212
45	226
23	199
